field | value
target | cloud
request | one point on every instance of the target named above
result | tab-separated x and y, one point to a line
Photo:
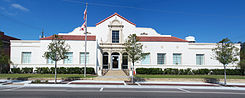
20	7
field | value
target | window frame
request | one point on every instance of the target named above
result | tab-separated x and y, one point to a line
203	59
164	58
22	58
180	58
80	57
64	61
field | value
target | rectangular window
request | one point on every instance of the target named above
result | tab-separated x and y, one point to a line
26	58
176	58
68	60
160	58
199	59
82	58
146	60
115	36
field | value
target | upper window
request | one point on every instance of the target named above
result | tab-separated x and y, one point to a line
82	57
176	58
115	36
146	60
161	58
199	59
26	58
68	60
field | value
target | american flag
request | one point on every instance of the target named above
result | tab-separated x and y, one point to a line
84	18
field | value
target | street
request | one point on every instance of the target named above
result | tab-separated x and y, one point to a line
50	92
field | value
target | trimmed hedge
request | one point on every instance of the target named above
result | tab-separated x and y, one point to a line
27	70
149	71
15	70
188	71
63	70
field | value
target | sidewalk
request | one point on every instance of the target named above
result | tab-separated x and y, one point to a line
95	83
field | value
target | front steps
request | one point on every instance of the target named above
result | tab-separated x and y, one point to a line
114	75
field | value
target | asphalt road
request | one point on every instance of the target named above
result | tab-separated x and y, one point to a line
28	92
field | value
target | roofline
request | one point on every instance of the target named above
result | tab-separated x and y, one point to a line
118	16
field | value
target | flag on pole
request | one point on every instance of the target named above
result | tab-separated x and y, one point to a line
84	18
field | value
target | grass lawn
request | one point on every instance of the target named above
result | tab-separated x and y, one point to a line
192	76
43	75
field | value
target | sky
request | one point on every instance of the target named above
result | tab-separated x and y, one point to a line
209	21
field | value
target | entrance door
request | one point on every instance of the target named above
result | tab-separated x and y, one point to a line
115	61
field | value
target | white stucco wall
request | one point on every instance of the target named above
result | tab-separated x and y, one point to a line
38	48
103	35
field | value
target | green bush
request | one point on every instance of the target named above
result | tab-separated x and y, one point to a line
27	70
89	70
15	70
43	70
201	71
74	70
171	71
149	71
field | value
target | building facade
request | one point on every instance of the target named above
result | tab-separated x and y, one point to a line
105	50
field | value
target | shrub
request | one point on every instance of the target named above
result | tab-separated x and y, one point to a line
201	71
171	71
43	70
27	70
149	71
74	70
89	70
15	70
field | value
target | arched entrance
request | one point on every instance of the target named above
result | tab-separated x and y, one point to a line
115	57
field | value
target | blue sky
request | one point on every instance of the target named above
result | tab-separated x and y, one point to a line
207	20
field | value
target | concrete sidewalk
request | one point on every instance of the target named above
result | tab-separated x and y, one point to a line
127	83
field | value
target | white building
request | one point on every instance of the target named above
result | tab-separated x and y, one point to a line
106	51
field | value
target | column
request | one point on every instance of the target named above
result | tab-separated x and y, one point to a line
109	58
120	61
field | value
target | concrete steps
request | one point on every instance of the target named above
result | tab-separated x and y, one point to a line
114	75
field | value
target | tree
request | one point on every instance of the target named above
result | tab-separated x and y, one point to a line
4	59
57	50
226	53
134	50
242	57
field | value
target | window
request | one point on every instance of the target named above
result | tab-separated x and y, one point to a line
68	60
176	58
26	58
82	58
146	60
161	58
199	59
115	36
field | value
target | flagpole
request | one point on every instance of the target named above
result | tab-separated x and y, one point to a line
85	42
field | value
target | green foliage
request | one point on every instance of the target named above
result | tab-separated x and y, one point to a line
242	57
149	71
43	70
134	49
63	70
15	70
188	71
57	49
27	70
171	71
226	52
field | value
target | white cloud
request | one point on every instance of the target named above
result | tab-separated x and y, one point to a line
20	7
